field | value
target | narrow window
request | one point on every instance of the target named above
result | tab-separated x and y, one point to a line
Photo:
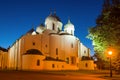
53	66
33	43
73	60
38	62
53	28
71	45
71	32
46	45
86	65
84	51
58	29
56	51
67	60
62	66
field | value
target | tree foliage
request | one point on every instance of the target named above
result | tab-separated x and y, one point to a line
106	34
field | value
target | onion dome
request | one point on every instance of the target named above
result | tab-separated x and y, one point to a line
53	17
69	25
53	22
40	28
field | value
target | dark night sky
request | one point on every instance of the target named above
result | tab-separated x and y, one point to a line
18	16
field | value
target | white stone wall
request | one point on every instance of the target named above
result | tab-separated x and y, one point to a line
58	65
45	44
84	51
52	45
51	22
67	46
55	47
54	65
14	55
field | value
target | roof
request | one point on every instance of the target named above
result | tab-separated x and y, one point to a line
42	25
86	58
64	34
3	49
33	52
69	25
30	31
52	59
54	16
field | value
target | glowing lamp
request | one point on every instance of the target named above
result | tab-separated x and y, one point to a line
110	52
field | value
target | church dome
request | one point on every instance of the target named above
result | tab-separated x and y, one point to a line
69	28
69	25
40	28
53	22
53	17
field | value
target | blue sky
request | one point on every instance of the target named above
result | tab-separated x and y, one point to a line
18	16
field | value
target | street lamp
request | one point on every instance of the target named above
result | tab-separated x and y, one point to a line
110	54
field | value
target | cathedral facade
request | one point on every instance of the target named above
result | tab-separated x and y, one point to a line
49	48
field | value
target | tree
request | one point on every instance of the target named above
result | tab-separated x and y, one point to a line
106	34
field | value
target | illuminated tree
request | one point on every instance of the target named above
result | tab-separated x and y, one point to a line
106	33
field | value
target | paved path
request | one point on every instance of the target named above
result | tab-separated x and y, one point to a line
45	76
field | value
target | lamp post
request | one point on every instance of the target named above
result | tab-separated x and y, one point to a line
110	54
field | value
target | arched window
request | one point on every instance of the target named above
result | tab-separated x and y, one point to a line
38	62
86	65
56	51
84	51
71	45
71	32
53	65
73	60
33	43
53	27
46	45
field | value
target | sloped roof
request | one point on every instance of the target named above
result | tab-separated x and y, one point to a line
30	31
64	34
52	59
86	58
54	16
3	49
33	52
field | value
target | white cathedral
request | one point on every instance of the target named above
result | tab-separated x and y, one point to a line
47	48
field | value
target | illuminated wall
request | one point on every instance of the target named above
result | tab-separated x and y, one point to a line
14	55
84	51
51	41
87	65
32	62
3	59
69	28
51	23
